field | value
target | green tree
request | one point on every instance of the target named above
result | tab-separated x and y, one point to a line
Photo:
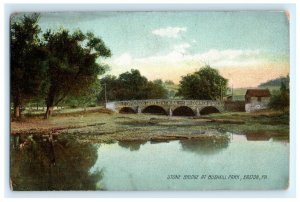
205	84
72	64
112	87
128	86
169	82
88	98
132	86
27	60
281	100
155	90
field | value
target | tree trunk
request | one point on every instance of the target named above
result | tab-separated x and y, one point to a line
17	106
17	112
48	112
50	103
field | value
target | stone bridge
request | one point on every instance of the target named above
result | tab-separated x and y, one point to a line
168	107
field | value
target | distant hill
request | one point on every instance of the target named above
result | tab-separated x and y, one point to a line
275	82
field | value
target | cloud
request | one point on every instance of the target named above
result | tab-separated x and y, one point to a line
124	60
171	32
176	55
181	48
228	57
180	54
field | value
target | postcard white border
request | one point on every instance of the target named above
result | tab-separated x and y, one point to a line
10	8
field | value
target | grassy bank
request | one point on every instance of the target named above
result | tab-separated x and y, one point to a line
272	122
100	125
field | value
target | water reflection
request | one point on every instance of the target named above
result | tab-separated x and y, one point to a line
62	163
258	137
148	167
133	145
52	163
267	137
207	145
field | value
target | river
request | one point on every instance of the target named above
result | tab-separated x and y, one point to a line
239	163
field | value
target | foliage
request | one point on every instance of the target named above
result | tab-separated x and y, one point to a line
72	64
132	86
88	98
171	88
156	90
112	86
169	82
60	65
281	100
27	59
205	84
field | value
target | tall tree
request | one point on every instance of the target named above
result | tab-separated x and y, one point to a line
132	86
205	84
133	83
73	64
27	60
281	100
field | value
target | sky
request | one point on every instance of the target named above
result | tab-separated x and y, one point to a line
247	48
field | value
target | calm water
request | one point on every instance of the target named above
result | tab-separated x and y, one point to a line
239	162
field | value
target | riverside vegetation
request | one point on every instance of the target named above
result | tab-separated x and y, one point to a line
99	125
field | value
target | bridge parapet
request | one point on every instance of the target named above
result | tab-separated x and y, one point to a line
169	102
168	105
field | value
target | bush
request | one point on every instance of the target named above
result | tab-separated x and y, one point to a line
281	99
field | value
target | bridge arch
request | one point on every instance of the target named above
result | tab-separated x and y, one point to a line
166	106
127	110
209	110
154	109
183	111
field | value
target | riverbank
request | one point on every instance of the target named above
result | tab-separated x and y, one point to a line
100	125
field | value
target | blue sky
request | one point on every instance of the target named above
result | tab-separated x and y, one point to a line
246	47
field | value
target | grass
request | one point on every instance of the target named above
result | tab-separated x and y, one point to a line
100	125
273	122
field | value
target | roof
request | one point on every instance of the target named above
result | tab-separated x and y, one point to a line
258	93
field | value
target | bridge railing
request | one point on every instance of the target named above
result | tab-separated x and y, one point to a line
167	102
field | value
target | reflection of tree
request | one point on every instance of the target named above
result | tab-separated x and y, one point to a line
132	145
206	145
61	164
